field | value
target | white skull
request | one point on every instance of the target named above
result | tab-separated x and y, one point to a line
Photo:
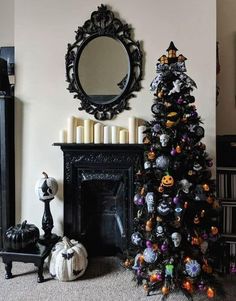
164	139
185	185
176	238
150	201
204	246
159	231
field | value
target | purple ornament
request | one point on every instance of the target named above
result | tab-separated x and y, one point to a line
139	200
194	114
164	247
156	127
159	277
180	101
204	236
173	152
149	244
176	200
201	286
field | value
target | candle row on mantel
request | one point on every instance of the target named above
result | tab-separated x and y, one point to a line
88	131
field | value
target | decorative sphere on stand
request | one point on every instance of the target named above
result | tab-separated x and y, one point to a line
45	189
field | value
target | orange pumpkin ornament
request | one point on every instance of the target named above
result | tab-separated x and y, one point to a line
210	293
165	290
167	181
214	230
153	278
205	187
151	155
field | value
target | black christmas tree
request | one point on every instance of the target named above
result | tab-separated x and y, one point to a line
176	243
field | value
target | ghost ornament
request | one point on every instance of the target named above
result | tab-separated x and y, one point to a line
176	239
137	239
176	88
150	201
164	139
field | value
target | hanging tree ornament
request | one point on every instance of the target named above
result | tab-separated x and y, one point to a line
172	119
150	201
162	162
193	268
164	140
149	255
185	185
137	239
176	239
167	181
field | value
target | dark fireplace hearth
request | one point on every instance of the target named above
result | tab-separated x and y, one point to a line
98	194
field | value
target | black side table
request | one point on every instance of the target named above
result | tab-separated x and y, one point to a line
36	256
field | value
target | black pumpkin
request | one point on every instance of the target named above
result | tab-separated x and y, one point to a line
21	237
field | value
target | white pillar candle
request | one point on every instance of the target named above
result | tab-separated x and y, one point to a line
87	131
97	133
132	130
79	134
141	135
114	134
70	129
107	134
62	136
123	136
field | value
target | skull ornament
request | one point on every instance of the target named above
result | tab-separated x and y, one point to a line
159	231
185	185
150	202
176	239
164	139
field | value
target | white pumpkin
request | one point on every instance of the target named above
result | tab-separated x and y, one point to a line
46	188
68	260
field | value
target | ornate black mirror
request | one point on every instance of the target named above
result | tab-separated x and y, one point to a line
104	65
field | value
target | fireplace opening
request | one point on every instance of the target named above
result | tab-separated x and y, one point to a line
105	210
98	194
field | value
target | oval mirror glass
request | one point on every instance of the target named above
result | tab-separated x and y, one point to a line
103	69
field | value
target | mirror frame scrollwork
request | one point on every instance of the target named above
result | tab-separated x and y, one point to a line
103	23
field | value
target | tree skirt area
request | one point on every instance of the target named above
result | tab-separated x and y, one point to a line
104	280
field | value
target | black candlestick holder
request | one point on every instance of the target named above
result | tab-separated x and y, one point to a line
47	225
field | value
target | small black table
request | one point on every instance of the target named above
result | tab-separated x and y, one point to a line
36	256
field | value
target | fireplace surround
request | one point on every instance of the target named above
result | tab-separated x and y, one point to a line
98	194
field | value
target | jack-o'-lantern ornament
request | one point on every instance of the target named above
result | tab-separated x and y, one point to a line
151	155
167	181
214	230
205	187
172	119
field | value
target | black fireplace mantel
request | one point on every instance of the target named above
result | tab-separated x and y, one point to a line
98	194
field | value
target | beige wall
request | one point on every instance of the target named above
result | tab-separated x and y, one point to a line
6	23
226	35
42	31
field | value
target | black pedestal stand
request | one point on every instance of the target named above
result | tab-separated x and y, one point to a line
47	225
